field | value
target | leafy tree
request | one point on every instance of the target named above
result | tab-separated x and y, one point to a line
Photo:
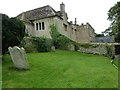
114	17
99	35
13	31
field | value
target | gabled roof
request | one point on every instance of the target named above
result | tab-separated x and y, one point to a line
39	13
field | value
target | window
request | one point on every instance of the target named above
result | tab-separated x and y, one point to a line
65	27
36	26
43	26
39	26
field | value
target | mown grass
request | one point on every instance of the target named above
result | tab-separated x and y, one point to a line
116	62
61	69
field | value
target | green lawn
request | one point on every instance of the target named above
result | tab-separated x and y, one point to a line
61	69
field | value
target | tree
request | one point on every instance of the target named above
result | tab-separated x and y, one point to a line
99	35
114	17
13	31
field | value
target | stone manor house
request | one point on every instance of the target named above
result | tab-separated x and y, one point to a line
38	21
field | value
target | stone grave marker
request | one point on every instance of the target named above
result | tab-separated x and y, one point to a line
19	57
53	48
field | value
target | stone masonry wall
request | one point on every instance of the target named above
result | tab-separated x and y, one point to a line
100	49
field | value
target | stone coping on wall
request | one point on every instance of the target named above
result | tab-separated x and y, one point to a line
105	49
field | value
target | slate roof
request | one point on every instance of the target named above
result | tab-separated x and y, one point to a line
39	13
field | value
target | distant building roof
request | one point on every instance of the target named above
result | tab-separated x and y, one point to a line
106	39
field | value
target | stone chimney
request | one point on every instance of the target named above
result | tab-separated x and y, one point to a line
71	22
75	21
82	24
62	7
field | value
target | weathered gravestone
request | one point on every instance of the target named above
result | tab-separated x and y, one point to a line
19	57
53	48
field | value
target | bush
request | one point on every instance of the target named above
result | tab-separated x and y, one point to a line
63	42
43	44
88	45
59	41
30	49
77	46
109	49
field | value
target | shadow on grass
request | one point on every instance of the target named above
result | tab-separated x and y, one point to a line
12	68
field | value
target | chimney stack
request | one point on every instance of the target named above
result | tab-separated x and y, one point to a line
75	21
62	7
71	22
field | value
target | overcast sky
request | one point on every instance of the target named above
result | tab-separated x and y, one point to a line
92	11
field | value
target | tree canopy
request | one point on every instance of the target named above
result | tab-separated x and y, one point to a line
13	31
114	17
99	35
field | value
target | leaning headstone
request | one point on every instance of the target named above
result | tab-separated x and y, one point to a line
19	57
71	47
53	48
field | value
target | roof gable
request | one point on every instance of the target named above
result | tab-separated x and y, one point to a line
39	13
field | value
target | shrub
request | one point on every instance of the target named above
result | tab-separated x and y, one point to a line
22	43
63	42
43	44
77	46
30	49
59	41
109	49
88	45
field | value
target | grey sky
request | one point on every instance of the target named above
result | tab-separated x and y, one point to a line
92	11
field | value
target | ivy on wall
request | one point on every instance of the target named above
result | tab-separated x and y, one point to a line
59	41
109	49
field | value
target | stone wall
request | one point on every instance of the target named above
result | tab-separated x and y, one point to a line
77	33
84	33
47	23
100	49
29	29
28	45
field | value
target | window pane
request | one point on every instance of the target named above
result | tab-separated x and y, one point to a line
43	26
40	26
36	26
